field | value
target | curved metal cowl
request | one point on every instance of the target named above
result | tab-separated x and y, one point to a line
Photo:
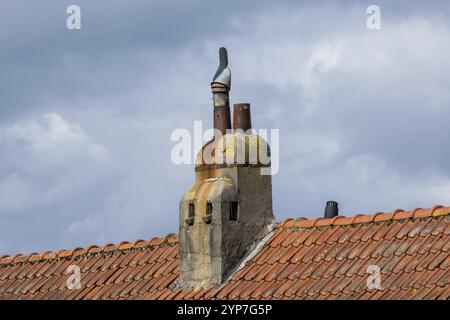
223	73
224	78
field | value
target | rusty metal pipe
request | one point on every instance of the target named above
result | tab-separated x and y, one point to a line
241	116
222	120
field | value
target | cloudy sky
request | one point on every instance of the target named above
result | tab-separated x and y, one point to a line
86	115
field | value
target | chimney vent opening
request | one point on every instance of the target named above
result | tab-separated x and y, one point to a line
234	208
209	211
331	209
191	214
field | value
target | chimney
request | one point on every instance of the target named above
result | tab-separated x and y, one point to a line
241	117
220	87
228	210
331	209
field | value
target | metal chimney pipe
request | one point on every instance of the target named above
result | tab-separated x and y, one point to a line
331	209
220	87
241	116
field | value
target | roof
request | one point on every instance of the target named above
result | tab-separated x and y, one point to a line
303	259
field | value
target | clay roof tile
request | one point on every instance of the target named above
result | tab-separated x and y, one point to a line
343	221
155	241
364	218
93	249
287	223
379	216
421	213
322	222
109	247
316	221
305	258
401	214
355	218
303	223
124	245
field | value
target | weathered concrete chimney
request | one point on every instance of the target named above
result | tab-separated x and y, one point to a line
228	211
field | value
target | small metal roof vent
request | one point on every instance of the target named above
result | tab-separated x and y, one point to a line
331	209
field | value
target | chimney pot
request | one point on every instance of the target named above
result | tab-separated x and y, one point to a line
241	116
331	209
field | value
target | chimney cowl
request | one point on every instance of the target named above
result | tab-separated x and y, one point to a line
220	87
223	73
331	209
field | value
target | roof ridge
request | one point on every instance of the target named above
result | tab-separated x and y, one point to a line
397	214
169	239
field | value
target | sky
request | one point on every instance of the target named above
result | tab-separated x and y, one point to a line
86	115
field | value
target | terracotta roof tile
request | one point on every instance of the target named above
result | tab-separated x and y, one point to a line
302	235
238	291
307	270
263	255
404	244
440	277
325	235
247	290
382	217
355	267
381	232
289	253
240	273
288	223
304	223
418	226
341	220
403	232
292	236
260	288
445	294
381	248
313	236
310	253
437	259
290	271
222	294
304	259
371	230
322	254
389	264
278	238
440	227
